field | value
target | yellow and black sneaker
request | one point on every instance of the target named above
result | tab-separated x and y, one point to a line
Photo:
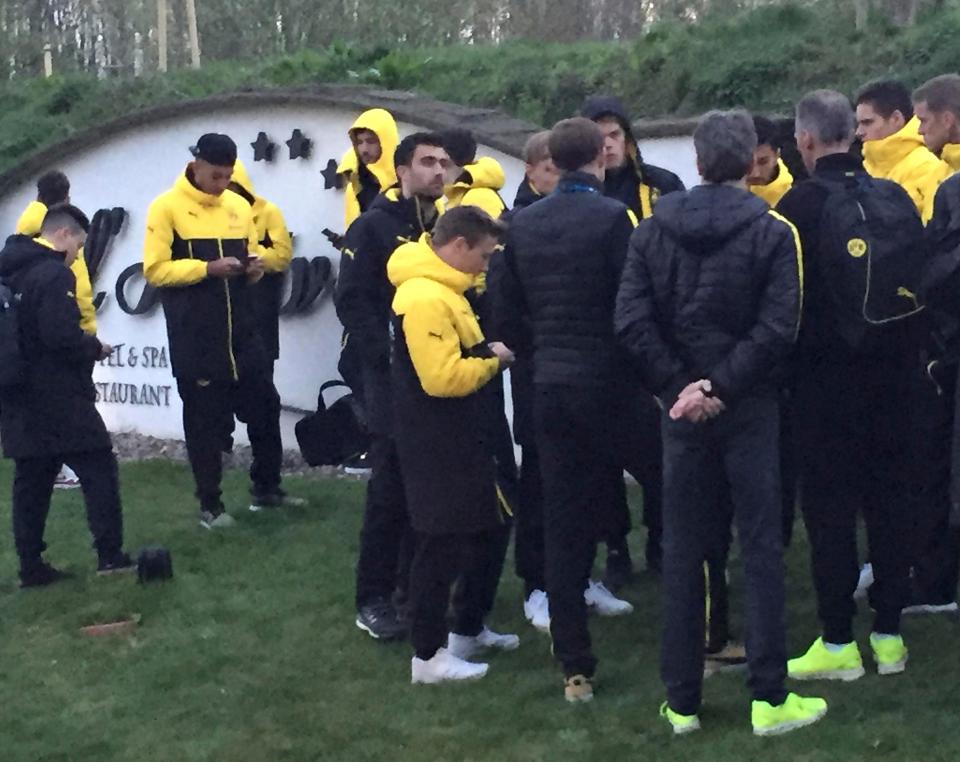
578	688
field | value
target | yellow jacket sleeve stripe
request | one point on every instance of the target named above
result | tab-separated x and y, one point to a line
158	266
435	351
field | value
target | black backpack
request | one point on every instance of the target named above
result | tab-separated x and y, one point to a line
872	256
12	363
333	434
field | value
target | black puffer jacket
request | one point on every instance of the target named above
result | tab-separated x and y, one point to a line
53	412
711	289
559	276
363	293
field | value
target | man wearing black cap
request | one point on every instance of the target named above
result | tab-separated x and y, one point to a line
639	185
197	252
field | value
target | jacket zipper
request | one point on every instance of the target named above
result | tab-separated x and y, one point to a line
226	290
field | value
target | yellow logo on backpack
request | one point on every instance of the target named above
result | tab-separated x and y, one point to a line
856	247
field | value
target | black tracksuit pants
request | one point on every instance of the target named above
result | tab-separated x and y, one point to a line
934	550
638	424
740	446
573	426
854	441
386	540
208	411
529	554
32	490
474	562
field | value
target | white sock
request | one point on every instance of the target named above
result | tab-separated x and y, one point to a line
835	648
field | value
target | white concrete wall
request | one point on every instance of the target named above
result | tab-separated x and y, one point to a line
131	169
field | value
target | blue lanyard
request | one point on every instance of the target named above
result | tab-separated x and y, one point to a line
578	188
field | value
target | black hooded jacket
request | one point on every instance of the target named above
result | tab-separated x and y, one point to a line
637	184
712	288
53	411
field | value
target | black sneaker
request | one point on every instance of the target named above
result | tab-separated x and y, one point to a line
358	465
121	563
215	519
41	575
619	569
380	621
274	499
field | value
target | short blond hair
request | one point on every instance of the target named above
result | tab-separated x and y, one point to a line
537	147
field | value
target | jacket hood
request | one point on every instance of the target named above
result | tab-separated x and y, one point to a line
483	173
183	185
21	253
880	157
597	106
242	178
707	215
417	259
951	155
381	122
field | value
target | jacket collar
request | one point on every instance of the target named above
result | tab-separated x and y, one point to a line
835	163
185	186
951	155
571	182
881	157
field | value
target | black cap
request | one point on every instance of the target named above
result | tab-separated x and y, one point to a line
216	149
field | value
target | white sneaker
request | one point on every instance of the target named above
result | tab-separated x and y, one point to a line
66	479
537	610
864	583
444	667
604	602
465	646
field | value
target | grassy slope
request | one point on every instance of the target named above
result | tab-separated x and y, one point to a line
250	654
762	60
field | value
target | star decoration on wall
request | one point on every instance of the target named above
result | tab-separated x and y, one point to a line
263	148
299	145
331	179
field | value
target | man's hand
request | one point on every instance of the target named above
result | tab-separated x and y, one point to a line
695	405
225	267
255	270
105	351
503	353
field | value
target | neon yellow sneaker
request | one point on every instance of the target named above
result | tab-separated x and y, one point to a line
681	723
819	663
796	712
890	654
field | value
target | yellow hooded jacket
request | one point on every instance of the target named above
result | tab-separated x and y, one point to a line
186	230
904	158
479	186
775	190
29	224
438	321
951	155
275	247
381	122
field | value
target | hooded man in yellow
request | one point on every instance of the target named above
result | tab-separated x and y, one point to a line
473	181
275	253
769	177
54	188
368	167
893	148
441	363
936	104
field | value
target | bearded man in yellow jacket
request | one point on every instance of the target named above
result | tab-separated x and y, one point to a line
367	166
769	177
441	363
893	148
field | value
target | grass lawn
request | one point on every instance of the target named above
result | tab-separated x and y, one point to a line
250	655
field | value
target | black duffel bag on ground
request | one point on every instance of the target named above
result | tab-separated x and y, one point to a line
333	434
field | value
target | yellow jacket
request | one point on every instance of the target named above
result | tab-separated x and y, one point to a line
479	186
775	190
905	159
951	155
29	224
381	122
438	322
275	247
